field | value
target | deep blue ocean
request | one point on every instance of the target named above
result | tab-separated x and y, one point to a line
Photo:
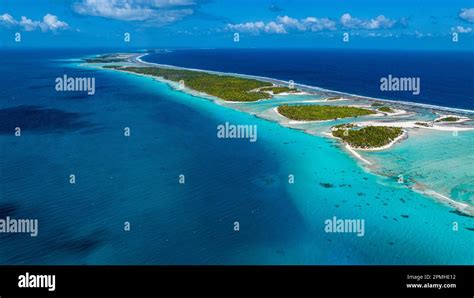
447	78
135	179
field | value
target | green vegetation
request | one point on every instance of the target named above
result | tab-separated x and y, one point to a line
317	112
107	58
222	86
368	137
112	66
386	110
377	104
448	119
278	89
422	124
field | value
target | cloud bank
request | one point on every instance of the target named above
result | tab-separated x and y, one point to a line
286	24
157	12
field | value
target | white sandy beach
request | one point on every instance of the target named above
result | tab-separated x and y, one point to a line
400	137
411	124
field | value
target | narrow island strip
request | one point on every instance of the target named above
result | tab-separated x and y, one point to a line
354	136
225	87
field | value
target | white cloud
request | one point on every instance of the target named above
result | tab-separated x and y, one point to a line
467	14
153	11
380	22
49	23
291	23
257	27
461	29
7	19
284	24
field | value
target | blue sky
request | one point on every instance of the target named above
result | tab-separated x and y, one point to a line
406	24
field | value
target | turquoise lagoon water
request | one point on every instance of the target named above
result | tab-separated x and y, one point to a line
135	179
433	160
439	160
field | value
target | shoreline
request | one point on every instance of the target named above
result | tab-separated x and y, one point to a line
351	150
460	120
404	135
356	154
399	138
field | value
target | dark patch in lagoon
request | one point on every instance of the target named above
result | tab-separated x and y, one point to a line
404	216
326	185
40	120
470	229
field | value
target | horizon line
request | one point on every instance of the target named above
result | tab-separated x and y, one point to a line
151	48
